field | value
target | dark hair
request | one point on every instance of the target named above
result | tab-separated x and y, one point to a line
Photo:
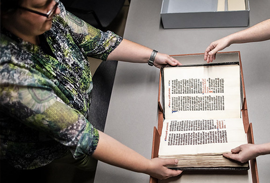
8	6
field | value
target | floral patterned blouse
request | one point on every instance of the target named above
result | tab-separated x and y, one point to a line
45	92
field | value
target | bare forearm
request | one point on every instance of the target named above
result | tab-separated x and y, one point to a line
113	152
263	149
131	52
258	32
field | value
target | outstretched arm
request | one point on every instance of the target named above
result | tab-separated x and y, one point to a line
132	52
247	152
113	152
258	32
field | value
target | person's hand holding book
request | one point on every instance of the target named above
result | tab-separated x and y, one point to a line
214	47
162	60
247	152
157	168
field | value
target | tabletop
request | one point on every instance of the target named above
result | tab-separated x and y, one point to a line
132	111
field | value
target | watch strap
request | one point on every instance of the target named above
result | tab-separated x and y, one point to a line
152	58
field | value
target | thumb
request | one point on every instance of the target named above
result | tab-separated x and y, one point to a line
171	172
217	47
233	157
236	150
173	62
227	155
214	51
170	162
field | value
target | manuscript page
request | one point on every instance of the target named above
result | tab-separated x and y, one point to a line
202	92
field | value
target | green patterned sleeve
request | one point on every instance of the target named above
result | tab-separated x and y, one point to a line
39	108
93	42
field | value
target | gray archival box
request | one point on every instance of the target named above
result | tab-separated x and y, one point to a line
202	14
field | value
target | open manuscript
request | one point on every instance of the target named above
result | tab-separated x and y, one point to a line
202	116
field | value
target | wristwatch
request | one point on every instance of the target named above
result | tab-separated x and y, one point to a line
152	58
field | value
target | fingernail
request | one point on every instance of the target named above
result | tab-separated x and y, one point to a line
176	161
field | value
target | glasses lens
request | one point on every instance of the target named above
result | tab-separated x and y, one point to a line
53	10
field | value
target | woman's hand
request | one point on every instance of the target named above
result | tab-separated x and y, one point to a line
158	170
133	52
243	153
214	47
162	60
115	153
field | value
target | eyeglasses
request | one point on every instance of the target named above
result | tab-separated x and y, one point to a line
48	15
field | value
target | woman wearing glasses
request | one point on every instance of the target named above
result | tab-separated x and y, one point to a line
46	85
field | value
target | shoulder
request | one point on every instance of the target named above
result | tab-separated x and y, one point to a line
65	17
73	23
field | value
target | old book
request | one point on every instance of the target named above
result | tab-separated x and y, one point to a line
202	115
